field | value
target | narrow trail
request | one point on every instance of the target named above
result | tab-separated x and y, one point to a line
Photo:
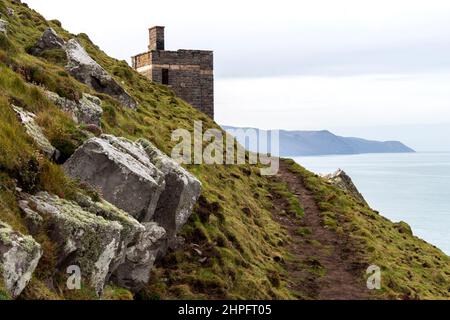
316	269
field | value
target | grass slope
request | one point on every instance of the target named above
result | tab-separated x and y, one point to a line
234	247
411	268
232	226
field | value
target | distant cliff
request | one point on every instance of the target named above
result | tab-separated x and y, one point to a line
316	143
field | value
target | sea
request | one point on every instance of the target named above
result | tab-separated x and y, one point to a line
410	187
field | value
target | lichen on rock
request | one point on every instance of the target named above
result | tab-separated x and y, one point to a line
87	70
130	184
180	195
134	273
84	239
131	228
147	184
35	132
48	41
88	110
19	257
82	67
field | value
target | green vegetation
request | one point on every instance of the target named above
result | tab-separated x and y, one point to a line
411	268
303	231
232	227
281	190
234	249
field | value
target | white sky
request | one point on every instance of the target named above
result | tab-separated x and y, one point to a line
378	69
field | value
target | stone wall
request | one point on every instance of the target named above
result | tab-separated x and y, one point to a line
190	72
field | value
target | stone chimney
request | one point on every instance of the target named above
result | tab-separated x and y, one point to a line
156	38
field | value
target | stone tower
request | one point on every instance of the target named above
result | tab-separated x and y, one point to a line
190	73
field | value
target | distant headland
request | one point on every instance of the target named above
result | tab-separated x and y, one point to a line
317	143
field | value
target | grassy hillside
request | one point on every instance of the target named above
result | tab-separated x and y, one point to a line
411	268
234	249
232	225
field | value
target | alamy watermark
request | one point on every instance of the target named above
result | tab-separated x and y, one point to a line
214	147
374	279
74	280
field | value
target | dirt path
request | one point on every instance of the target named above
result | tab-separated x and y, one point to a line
316	269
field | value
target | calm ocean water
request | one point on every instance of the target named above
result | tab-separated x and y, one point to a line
414	188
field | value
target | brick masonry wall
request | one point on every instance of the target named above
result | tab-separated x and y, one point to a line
191	74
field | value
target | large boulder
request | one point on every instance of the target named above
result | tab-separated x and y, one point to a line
86	70
19	257
131	228
134	272
88	110
121	170
83	239
343	181
48	41
180	195
147	184
35	132
104	241
81	66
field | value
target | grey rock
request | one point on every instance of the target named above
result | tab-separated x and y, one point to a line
86	111
343	181
19	257
88	241
49	40
180	195
134	273
33	220
122	172
86	70
3	26
10	12
35	132
131	228
147	184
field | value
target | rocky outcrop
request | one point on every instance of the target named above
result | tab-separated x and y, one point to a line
19	257
150	198
138	248
35	132
10	12
134	272
131	228
123	173
180	195
3	26
88	110
49	41
343	181
102	240
33	220
141	180
84	239
82	67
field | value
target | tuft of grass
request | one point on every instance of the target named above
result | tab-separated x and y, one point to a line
281	190
115	293
303	231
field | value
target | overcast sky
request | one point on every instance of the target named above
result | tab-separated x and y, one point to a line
355	66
